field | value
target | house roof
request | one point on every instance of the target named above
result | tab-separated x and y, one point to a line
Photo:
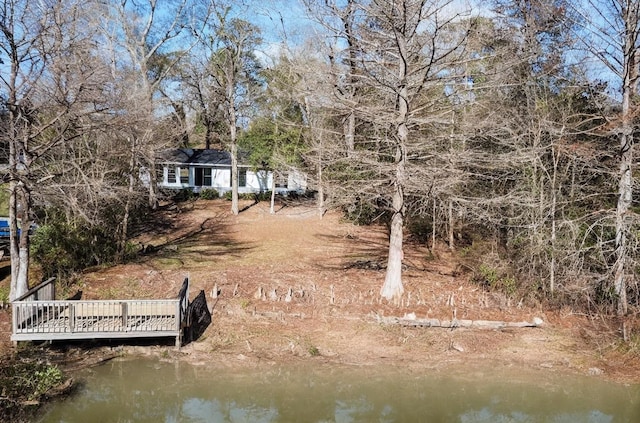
194	156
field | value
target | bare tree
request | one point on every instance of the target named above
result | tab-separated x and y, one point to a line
49	91
143	38
610	31
342	19
404	57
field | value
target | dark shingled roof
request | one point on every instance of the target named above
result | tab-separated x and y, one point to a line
196	156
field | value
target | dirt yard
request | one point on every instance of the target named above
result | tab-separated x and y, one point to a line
294	287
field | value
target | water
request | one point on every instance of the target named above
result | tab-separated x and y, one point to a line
144	390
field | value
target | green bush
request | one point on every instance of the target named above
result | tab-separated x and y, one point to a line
4	295
495	279
24	380
4	199
241	196
185	194
45	379
62	249
263	196
209	194
363	214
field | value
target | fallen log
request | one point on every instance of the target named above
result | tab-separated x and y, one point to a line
457	323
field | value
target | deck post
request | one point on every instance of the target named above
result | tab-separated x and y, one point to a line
124	316
72	317
14	320
179	323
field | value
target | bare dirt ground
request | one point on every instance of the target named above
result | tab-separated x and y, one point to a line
295	287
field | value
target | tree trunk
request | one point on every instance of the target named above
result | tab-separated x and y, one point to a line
124	229
320	199
18	243
555	155
433	227
234	146
451	232
349	133
235	209
392	288
272	209
625	182
622	224
153	187
19	211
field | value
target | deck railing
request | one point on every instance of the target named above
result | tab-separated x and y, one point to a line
43	291
76	319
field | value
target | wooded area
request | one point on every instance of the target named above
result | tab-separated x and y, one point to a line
506	132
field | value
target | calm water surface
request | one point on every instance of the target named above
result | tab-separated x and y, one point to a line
144	390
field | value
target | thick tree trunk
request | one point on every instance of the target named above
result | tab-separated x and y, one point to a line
19	211
19	274
392	288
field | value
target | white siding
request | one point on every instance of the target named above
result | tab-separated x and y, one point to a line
260	181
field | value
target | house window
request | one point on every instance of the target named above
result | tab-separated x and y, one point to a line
242	177
184	175
282	181
203	177
171	175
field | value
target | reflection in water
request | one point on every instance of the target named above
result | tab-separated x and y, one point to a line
150	391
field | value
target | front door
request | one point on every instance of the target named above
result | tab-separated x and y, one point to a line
203	177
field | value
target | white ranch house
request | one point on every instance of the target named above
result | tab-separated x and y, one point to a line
200	169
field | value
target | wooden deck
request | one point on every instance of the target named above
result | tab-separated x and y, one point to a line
48	320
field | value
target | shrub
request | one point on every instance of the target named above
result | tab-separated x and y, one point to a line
263	196
4	295
24	380
62	249
209	194
241	196
45	379
185	194
495	279
362	214
420	228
